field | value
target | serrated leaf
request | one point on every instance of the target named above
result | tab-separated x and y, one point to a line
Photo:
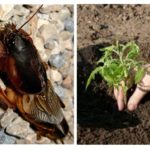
109	48
119	61
139	75
106	56
133	50
112	73
92	76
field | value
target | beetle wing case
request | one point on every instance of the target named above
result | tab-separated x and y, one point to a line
24	60
45	112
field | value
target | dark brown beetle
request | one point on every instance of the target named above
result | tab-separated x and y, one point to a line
28	88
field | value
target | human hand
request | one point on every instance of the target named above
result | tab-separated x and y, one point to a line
141	90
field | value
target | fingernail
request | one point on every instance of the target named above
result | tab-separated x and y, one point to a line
132	107
119	109
120	106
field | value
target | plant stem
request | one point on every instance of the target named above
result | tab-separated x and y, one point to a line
124	92
125	98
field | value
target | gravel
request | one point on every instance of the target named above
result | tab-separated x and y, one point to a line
57	60
69	24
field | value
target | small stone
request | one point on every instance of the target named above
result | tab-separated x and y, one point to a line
45	55
66	40
68	140
61	15
65	35
19	128
18	7
1	10
67	83
44	140
57	60
20	141
8	117
1	111
71	9
6	9
43	16
56	51
2	137
39	44
69	25
48	31
60	91
69	69
54	16
66	44
31	138
68	55
68	115
55	76
55	8
64	14
60	26
45	9
6	139
21	11
69	96
42	22
50	44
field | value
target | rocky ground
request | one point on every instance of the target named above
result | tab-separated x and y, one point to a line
52	32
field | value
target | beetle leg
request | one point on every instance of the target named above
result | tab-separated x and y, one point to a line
45	65
8	97
61	140
38	135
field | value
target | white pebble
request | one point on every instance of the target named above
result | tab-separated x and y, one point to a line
55	76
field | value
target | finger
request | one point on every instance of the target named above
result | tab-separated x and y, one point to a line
135	99
120	100
116	93
145	83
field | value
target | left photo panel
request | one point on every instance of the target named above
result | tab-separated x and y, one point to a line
36	74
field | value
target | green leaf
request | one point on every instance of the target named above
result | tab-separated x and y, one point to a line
139	75
113	72
109	48
119	65
133	50
92	76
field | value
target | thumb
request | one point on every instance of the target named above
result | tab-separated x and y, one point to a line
135	98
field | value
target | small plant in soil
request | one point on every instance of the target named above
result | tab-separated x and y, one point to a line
120	66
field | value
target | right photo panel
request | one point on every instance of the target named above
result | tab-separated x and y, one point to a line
113	74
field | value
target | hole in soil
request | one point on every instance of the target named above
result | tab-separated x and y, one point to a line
96	106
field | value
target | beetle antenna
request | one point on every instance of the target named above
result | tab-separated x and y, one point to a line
31	17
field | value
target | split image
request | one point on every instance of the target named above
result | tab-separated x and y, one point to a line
37	74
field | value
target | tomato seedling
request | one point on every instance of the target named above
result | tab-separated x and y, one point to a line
120	66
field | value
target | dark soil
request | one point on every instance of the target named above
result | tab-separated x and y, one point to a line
99	121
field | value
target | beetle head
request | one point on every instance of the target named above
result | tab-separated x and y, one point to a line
15	43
